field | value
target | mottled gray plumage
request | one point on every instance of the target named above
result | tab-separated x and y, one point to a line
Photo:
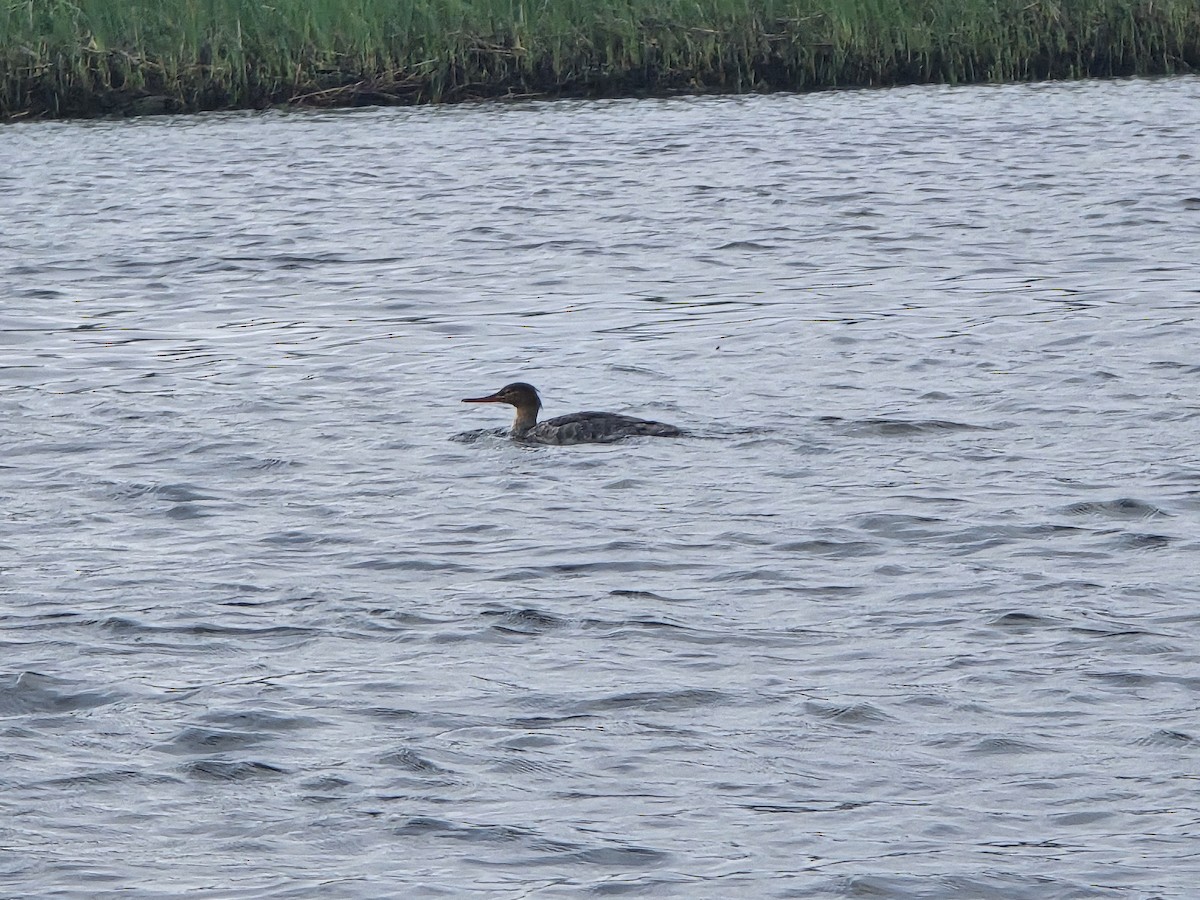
594	428
577	428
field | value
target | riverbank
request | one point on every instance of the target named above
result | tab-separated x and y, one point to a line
105	57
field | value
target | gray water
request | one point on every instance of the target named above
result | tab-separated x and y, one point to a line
913	612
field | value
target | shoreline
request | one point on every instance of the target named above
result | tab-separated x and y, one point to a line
127	105
234	54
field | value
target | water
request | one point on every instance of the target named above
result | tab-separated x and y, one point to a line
913	613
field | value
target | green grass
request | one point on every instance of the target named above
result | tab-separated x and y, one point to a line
73	57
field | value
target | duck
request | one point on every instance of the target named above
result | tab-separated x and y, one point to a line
576	428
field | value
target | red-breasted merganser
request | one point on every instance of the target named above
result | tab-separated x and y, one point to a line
577	428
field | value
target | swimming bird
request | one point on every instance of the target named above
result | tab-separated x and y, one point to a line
577	428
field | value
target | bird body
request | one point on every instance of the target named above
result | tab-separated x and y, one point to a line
576	428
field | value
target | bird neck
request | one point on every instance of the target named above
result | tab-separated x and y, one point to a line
526	418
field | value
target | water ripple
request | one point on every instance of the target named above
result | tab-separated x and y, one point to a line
912	612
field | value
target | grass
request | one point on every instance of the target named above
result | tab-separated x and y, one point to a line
82	57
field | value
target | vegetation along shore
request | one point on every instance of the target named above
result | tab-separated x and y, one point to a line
96	57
